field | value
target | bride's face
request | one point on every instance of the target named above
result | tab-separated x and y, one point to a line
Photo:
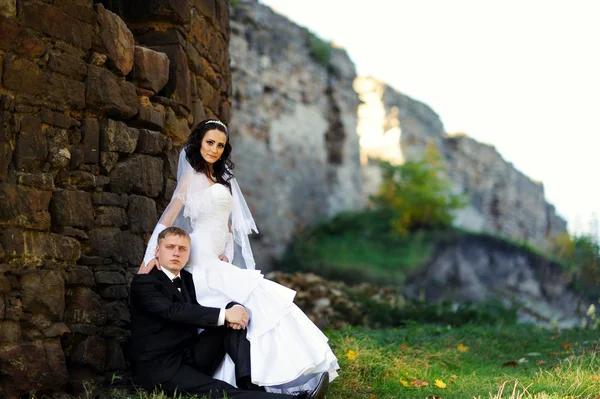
213	145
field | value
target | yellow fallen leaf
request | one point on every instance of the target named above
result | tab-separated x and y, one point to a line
403	382
462	348
351	355
440	384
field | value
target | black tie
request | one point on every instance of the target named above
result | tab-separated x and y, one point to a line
177	282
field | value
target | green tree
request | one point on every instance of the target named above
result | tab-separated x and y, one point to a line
417	194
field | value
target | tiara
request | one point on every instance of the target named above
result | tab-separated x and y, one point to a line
217	122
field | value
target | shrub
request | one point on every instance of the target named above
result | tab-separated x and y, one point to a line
581	255
417	194
320	50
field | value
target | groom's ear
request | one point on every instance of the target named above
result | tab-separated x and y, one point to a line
156	251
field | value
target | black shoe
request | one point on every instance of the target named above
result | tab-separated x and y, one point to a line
319	391
246	384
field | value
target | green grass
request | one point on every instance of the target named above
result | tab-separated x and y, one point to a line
552	365
358	247
513	362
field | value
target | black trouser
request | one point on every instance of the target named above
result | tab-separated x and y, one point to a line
202	360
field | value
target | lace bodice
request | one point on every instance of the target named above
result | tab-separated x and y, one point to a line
208	211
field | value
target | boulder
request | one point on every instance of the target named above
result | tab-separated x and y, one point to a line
72	208
106	93
116	41
138	174
43	292
24	207
117	136
150	69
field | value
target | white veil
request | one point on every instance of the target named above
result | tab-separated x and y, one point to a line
242	222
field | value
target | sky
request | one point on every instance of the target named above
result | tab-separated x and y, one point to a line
521	75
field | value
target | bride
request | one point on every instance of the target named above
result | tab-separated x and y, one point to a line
287	350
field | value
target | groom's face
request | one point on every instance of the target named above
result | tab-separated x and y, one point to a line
173	253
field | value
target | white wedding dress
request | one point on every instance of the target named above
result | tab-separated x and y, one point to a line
287	349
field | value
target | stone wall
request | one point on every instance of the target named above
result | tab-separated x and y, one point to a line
502	200
93	111
293	128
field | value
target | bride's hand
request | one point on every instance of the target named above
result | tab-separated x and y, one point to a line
223	258
145	269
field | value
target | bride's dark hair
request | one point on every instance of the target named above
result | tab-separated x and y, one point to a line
223	168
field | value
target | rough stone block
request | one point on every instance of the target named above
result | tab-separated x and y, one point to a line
27	367
150	142
24	207
106	242
89	352
72	67
178	86
79	9
176	128
198	30
55	118
116	41
53	22
55	330
206	8
114	292
110	199
117	136
155	38
84	306
139	174
31	148
66	91
4	285
18	40
110	216
6	154
91	141
142	214
108	160
38	245
176	11
43	291
114	356
23	75
150	69
8	8
118	313
150	117
72	208
133	248
107	277
10	331
106	93
42	181
210	97
79	276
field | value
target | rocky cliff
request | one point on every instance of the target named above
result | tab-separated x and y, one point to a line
95	102
293	127
502	200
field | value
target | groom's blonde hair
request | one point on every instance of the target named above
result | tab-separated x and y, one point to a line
173	231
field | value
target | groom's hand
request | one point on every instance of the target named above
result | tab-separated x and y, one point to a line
236	317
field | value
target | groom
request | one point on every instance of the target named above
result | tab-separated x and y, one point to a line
168	352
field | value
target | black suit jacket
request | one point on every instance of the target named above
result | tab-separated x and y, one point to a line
163	325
